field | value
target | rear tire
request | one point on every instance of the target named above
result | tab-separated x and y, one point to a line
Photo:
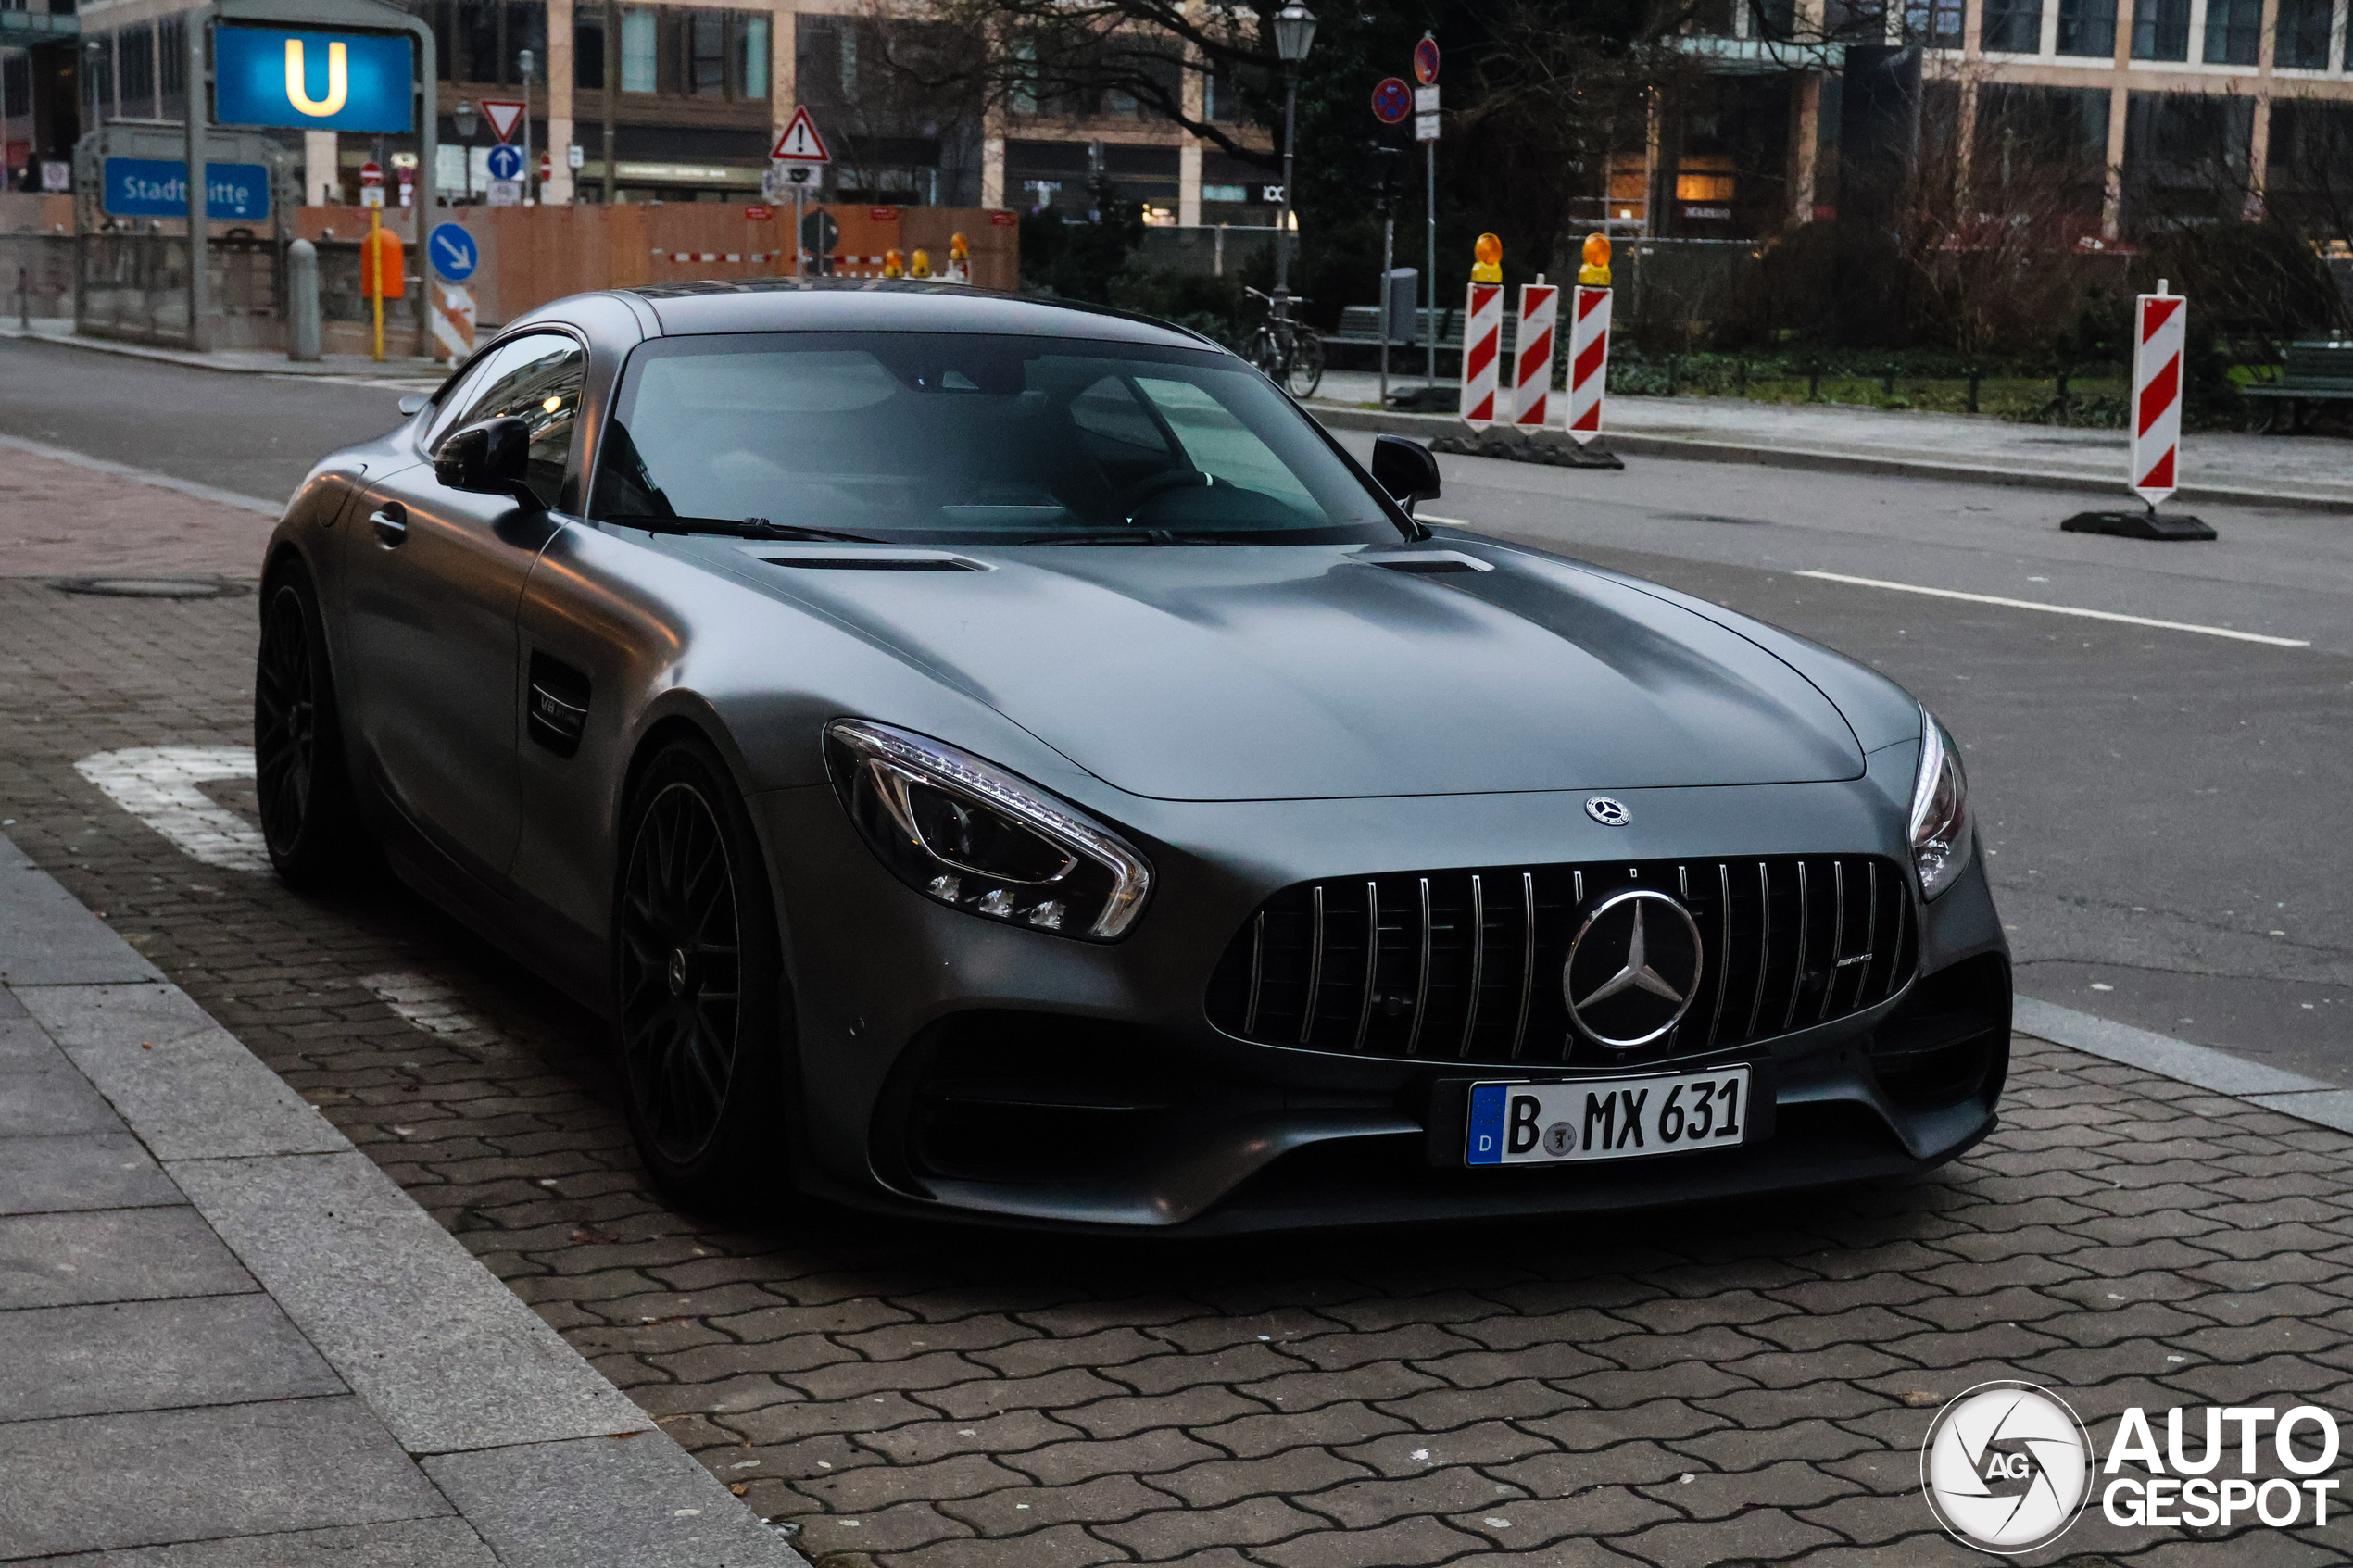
310	813
1306	372
697	969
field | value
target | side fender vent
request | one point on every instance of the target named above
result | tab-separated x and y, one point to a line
558	710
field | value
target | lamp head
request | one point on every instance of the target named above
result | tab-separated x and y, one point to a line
1294	32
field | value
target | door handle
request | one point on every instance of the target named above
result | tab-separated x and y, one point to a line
391	524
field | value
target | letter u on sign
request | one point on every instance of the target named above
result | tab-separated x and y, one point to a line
339	79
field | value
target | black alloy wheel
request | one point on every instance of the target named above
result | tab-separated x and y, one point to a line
697	970
308	817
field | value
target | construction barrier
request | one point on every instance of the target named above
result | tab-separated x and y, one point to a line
1539	308
1482	351
1587	361
2162	318
453	321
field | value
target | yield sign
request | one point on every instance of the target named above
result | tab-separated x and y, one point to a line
800	143
504	115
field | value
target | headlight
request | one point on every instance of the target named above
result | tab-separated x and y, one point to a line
954	828
1940	810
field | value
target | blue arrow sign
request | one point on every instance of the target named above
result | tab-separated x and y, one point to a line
452	251
506	162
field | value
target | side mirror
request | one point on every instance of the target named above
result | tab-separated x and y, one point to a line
489	458
412	402
1405	470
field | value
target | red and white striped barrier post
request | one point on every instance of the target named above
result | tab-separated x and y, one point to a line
1587	361
1482	352
1538	307
2160	322
2161	337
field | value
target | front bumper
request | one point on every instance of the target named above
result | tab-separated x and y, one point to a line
951	1065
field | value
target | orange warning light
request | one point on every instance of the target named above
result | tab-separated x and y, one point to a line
891	265
1489	251
919	264
1594	274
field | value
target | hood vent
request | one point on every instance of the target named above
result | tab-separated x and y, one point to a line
923	561
1424	563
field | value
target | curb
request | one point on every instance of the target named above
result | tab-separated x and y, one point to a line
143	476
2267	1088
539	1454
1427	427
406	369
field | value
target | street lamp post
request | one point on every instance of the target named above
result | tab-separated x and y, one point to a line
1294	36
523	64
463	117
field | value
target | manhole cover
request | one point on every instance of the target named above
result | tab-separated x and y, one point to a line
151	587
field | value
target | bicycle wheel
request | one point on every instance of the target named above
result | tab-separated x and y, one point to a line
1266	354
1306	372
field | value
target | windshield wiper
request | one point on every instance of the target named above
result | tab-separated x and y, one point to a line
740	528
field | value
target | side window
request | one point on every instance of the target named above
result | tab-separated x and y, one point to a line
537	380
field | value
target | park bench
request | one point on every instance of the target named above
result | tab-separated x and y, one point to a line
1360	325
2315	371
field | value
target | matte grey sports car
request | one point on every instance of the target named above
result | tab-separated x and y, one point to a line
999	758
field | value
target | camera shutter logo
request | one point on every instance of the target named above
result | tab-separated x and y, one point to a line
2006	1467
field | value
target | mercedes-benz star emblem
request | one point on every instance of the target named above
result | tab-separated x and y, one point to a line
1609	814
1633	969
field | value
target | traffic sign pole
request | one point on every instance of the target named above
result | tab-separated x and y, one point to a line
1425	131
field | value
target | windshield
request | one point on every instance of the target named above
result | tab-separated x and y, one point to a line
962	438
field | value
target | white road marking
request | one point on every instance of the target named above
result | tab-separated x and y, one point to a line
2058	609
157	784
426	1004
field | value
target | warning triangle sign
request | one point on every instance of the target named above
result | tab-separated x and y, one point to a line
504	115
800	143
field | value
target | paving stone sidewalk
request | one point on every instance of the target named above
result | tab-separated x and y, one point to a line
1741	1384
230	1340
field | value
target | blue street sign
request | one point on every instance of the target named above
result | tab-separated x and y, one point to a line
506	162
317	81
145	187
453	253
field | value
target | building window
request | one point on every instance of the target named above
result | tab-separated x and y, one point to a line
1773	18
2304	35
16	85
588	51
2160	30
139	69
640	51
751	31
2012	27
707	55
2233	32
171	46
848	32
2088	28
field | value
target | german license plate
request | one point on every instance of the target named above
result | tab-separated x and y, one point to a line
1606	1118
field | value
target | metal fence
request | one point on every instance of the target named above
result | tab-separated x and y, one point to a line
1209	249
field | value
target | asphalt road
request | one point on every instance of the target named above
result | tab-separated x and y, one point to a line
2158	806
256	435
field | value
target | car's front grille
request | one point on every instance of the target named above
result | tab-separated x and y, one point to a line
1466	965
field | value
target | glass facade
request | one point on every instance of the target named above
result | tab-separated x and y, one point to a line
2088	28
2233	32
2011	27
2160	30
640	52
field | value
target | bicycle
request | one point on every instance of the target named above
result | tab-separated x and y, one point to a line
1290	355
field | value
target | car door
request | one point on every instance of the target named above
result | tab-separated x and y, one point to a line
434	578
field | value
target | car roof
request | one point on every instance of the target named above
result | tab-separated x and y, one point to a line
785	305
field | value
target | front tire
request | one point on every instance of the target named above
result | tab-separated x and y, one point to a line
699	974
309	814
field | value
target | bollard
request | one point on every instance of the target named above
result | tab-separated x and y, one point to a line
302	301
24	300
1814	380
1670	375
1740	377
1975	375
1887	381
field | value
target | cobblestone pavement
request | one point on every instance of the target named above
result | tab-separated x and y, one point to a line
1750	1383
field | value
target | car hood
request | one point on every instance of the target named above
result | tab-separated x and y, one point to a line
1289	672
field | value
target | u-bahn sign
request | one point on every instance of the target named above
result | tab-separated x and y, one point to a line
314	80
